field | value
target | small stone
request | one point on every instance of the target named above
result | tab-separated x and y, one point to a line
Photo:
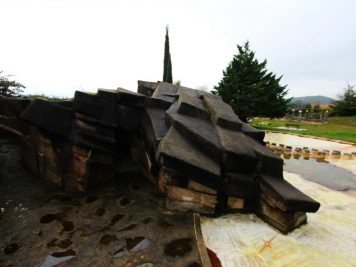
119	253
137	243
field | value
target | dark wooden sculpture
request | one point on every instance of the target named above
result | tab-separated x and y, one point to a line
189	143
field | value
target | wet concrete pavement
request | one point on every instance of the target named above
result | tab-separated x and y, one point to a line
121	225
337	174
329	237
322	172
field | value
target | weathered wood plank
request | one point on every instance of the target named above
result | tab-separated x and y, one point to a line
183	194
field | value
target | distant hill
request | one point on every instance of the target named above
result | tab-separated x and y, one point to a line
318	99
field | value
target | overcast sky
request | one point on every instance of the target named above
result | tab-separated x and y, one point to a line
57	47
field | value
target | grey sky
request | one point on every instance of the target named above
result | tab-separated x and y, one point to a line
57	47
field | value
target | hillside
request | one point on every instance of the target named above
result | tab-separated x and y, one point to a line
318	99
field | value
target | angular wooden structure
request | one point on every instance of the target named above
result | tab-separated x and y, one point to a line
189	143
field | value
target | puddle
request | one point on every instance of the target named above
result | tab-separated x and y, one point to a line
321	172
52	243
52	217
91	199
48	218
59	243
137	243
107	239
130	227
165	223
125	201
11	248
99	212
116	218
69	252
178	247
147	220
67	226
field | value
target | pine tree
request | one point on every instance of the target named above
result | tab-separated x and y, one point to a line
250	89
167	64
9	87
346	106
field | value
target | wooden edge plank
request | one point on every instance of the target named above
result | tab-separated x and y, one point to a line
183	194
192	185
203	252
11	131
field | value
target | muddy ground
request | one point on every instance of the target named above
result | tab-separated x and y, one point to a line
124	224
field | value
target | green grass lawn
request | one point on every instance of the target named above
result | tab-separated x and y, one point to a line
340	128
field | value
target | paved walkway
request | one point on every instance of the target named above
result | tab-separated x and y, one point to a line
328	239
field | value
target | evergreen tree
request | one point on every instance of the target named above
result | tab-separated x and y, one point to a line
250	89
9	87
346	106
167	64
